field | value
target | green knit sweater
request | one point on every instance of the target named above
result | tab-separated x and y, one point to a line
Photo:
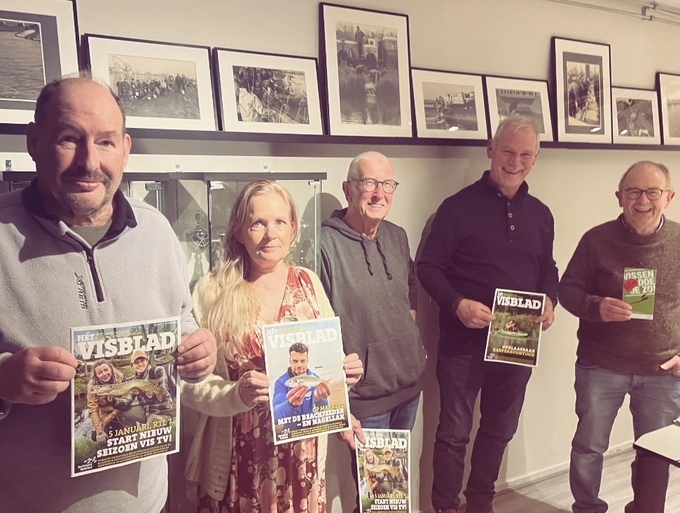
596	271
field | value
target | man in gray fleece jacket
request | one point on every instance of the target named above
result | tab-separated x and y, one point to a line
369	277
75	252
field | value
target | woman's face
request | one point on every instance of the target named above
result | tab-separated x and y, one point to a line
267	230
103	373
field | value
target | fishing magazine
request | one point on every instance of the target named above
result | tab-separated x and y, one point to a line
124	398
308	393
383	467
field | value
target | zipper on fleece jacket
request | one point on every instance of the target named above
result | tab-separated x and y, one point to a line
95	276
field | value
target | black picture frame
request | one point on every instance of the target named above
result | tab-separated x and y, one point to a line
449	105
635	116
46	51
582	90
366	71
160	84
668	87
280	92
507	96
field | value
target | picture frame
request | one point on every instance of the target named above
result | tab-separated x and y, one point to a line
635	116
449	105
366	63
43	48
508	97
267	93
160	85
582	90
668	86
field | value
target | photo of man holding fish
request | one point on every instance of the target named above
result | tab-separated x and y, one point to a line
299	390
309	396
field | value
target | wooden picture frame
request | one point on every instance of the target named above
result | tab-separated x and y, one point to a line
267	93
39	46
635	116
449	105
524	97
582	89
160	85
365	56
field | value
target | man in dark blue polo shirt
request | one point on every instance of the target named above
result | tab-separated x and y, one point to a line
492	234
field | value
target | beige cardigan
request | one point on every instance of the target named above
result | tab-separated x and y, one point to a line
216	398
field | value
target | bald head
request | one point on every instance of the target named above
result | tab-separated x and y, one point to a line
366	159
54	89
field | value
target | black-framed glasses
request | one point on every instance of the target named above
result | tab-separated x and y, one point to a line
652	194
371	184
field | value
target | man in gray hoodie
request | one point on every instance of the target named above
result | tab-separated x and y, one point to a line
369	277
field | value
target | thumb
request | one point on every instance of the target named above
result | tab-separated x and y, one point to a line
671	363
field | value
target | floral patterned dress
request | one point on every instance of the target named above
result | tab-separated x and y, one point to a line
268	478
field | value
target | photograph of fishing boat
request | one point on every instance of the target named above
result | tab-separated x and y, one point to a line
449	105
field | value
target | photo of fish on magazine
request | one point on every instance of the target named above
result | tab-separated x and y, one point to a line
308	393
124	400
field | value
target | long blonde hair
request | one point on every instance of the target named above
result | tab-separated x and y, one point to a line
228	304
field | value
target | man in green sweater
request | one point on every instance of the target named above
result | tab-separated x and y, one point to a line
620	352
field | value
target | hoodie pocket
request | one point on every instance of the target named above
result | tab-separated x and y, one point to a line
391	365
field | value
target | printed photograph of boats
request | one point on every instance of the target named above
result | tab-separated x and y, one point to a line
514	334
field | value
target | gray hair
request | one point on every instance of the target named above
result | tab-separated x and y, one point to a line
355	165
641	163
518	124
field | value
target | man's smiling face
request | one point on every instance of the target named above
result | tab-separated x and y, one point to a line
642	214
512	156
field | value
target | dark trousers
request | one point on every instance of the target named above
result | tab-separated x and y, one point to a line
462	374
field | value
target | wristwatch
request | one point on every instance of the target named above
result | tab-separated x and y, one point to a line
4	408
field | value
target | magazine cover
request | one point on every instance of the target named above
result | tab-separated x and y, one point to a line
383	466
639	287
514	335
308	393
124	401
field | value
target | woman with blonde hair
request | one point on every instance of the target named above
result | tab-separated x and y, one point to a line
101	408
233	456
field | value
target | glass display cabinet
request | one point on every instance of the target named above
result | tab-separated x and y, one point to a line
198	206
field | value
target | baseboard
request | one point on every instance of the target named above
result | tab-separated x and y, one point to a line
533	478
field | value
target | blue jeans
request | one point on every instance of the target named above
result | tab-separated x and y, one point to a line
654	403
403	416
462	373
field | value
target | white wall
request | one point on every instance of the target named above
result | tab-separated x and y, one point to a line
497	37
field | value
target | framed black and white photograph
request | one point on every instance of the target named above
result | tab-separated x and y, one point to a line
636	116
449	105
668	86
366	62
507	97
37	45
268	93
161	85
582	84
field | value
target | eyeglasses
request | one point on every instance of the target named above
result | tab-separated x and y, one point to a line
652	194
371	184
